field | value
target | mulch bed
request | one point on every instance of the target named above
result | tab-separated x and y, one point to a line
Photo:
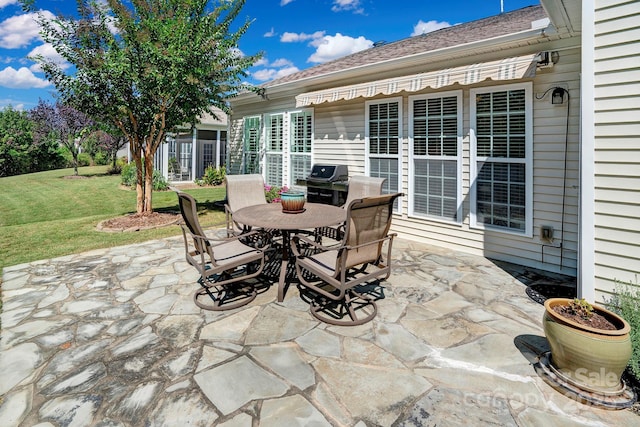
137	222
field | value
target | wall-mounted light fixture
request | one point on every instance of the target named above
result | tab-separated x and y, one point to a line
262	93
557	96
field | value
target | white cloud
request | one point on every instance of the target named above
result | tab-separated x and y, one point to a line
272	70
21	79
285	2
15	105
288	37
20	30
332	47
270	33
340	5
260	62
272	73
426	27
282	62
4	3
48	52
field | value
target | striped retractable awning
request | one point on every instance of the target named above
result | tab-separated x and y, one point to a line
504	69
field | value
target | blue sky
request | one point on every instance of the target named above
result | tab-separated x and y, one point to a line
293	34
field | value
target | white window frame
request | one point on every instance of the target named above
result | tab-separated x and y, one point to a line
260	151
367	166
527	161
289	141
267	141
459	151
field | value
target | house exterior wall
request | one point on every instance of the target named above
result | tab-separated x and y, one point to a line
339	136
616	144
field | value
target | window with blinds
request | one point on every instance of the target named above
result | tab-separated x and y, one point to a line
502	158
274	162
383	133
252	145
301	123
435	144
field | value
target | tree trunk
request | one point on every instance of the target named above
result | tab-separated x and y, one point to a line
75	152
114	159
148	183
139	183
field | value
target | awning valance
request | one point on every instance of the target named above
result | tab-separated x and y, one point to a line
504	69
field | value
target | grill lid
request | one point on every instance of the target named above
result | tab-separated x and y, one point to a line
328	173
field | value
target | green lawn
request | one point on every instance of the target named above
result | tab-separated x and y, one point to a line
46	215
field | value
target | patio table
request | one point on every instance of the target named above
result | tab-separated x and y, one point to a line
315	215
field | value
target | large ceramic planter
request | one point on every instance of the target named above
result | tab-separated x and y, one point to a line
592	359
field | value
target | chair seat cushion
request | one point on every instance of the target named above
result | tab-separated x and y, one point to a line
323	263
235	252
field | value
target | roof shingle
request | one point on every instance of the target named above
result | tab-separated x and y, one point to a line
482	29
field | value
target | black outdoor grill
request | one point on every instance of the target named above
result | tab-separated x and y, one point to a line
327	184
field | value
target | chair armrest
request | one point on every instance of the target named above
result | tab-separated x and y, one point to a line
222	240
387	237
298	238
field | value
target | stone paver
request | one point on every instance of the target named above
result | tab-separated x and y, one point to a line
112	337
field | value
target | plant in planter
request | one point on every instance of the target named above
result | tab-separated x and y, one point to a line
590	345
625	301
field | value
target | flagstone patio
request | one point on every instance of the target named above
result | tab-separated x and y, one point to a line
112	338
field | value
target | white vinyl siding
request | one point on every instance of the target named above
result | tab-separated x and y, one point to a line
383	138
435	149
301	144
274	157
341	136
616	145
501	151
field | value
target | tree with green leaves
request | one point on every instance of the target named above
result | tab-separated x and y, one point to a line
147	67
15	141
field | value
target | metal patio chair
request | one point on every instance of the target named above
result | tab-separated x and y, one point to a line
242	191
335	272
225	265
359	186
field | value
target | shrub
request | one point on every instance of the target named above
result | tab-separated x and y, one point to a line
66	154
272	193
115	170
212	176
129	175
129	178
45	156
159	181
101	158
84	159
626	303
